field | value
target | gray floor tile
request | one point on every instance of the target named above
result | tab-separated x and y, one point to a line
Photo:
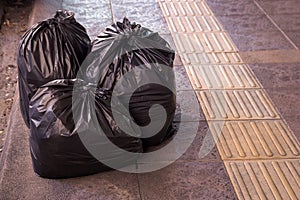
287	22
260	40
182	79
294	124
191	180
106	185
280	6
233	7
198	134
188	108
209	151
246	23
275	75
286	100
295	37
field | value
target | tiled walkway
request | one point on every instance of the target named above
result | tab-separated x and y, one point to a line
260	152
228	65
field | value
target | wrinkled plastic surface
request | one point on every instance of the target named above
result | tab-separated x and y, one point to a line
122	48
56	148
51	49
64	112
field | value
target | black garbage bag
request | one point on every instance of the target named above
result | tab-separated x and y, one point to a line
49	50
95	122
66	142
135	64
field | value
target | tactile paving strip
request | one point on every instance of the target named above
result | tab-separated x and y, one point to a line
203	42
236	105
260	152
207	58
276	179
221	77
184	8
193	24
257	139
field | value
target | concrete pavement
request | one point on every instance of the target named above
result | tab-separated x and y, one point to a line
254	31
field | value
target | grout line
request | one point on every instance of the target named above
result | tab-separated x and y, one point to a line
111	12
139	186
219	159
274	23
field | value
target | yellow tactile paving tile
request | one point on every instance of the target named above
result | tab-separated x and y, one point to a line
236	105
188	43
203	42
274	179
184	8
193	24
256	139
210	58
221	77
